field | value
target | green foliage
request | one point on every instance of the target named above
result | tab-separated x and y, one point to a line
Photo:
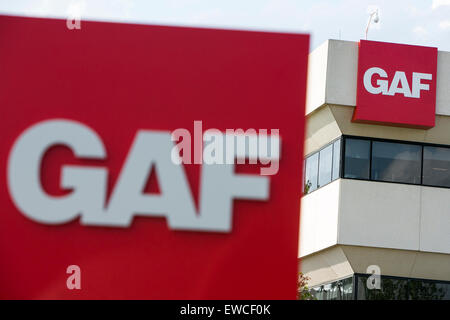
303	292
307	187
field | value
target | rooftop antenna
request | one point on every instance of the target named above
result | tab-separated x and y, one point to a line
374	15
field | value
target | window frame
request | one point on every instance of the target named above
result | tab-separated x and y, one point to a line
341	153
357	275
317	173
331	166
344	138
422	167
340	279
340	170
371	139
404	143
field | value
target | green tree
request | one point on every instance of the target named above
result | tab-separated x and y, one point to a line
303	292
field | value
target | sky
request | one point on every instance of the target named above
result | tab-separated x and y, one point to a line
421	22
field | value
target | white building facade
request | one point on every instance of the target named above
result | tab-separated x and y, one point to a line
376	197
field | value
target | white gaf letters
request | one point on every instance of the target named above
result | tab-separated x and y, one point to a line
417	85
399	83
219	183
382	84
25	163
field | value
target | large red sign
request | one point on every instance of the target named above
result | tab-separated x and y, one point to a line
396	84
98	196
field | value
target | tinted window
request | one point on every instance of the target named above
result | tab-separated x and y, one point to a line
396	162
436	166
325	165
393	288
336	159
337	290
357	157
428	290
390	289
311	170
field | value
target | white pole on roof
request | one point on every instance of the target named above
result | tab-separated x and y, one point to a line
374	15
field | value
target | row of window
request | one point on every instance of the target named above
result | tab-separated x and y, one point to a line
391	288
336	290
322	167
377	160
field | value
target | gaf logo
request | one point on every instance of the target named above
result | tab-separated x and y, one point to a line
399	83
396	84
150	149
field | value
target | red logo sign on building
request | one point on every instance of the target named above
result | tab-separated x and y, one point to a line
95	203
396	84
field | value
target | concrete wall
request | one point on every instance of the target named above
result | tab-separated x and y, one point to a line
328	265
319	219
443	84
321	128
317	75
333	76
439	134
341	261
331	121
375	214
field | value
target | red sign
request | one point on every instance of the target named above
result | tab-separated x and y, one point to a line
396	84
99	197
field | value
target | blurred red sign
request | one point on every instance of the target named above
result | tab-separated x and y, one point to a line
98	196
